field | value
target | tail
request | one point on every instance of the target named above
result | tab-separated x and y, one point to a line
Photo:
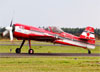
88	33
89	37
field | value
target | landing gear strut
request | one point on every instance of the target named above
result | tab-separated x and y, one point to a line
18	50
30	51
89	52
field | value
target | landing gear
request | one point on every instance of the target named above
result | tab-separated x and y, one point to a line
89	52
31	51
18	50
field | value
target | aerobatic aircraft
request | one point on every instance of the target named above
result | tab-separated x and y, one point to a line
52	34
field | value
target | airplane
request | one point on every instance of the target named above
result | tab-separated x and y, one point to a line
51	34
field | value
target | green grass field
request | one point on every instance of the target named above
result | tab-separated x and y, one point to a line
49	49
50	64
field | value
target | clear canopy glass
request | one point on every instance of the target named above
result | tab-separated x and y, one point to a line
54	29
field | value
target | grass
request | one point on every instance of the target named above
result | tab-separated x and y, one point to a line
50	64
49	49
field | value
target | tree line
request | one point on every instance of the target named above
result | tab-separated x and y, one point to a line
78	31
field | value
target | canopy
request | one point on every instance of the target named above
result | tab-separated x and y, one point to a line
54	29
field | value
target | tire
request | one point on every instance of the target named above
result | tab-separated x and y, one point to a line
18	50
31	51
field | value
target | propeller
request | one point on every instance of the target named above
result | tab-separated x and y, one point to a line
9	30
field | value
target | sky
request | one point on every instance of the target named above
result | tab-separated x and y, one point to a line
62	13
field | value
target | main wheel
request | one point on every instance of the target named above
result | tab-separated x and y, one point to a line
18	50
31	51
89	52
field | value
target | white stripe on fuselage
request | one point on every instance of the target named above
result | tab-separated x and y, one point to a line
89	46
24	31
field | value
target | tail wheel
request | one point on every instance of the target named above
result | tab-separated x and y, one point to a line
18	50
31	51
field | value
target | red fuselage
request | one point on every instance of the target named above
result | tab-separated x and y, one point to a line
32	33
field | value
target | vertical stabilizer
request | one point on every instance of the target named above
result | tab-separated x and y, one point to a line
88	33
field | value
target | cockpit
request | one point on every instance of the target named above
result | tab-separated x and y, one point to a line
54	29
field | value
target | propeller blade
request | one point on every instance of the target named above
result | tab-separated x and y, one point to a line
11	23
11	35
9	29
5	33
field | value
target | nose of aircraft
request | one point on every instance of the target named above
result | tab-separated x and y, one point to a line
7	30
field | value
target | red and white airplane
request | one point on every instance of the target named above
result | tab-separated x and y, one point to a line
52	34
